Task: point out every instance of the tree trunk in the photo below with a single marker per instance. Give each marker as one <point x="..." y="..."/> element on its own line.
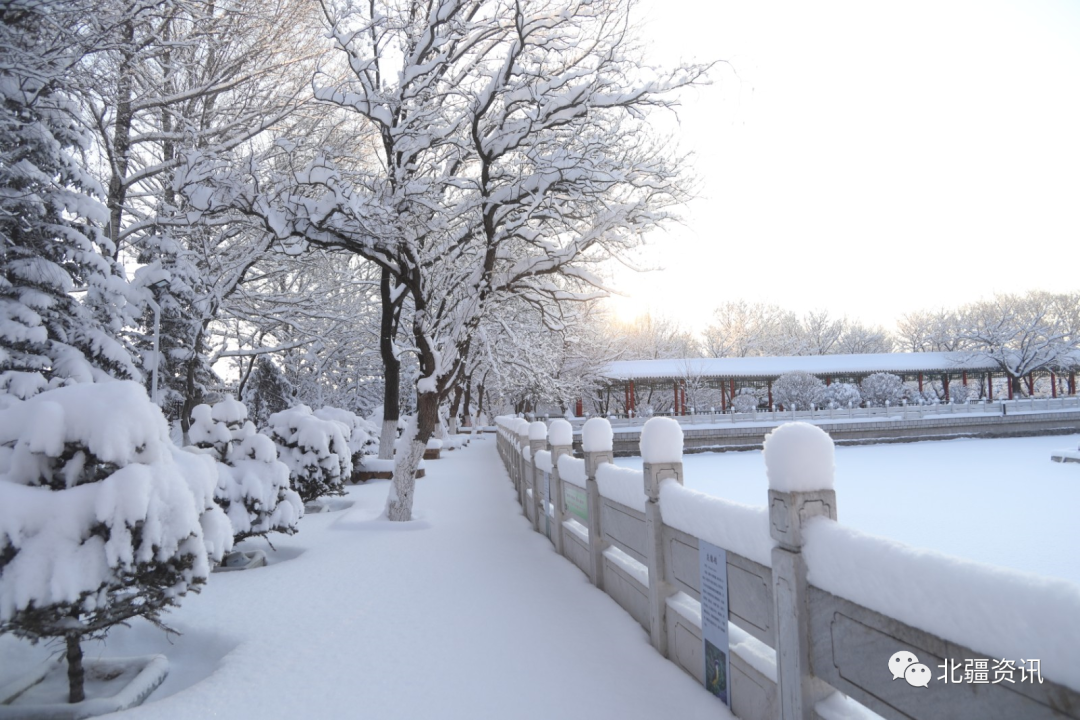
<point x="468" y="403"/>
<point x="399" y="501"/>
<point x="76" y="674"/>
<point x="190" y="401"/>
<point x="391" y="365"/>
<point x="455" y="406"/>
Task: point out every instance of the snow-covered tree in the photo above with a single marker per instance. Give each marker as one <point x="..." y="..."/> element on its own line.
<point x="843" y="395"/>
<point x="316" y="452"/>
<point x="518" y="157"/>
<point x="798" y="390"/>
<point x="252" y="484"/>
<point x="654" y="337"/>
<point x="1024" y="334"/>
<point x="50" y="213"/>
<point x="102" y="518"/>
<point x="881" y="388"/>
<point x="930" y="331"/>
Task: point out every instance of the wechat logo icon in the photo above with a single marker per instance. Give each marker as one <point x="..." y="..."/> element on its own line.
<point x="904" y="665"/>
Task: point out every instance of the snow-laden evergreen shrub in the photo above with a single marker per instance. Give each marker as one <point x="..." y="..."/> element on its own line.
<point x="102" y="518"/>
<point x="315" y="450"/>
<point x="842" y="395"/>
<point x="252" y="485"/>
<point x="746" y="400"/>
<point x="362" y="435"/>
<point x="798" y="390"/>
<point x="882" y="387"/>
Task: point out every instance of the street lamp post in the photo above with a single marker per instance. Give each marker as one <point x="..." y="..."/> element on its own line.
<point x="154" y="288"/>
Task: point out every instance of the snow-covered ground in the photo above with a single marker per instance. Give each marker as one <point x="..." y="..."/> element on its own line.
<point x="463" y="613"/>
<point x="998" y="501"/>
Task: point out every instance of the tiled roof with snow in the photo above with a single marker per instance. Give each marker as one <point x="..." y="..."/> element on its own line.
<point x="772" y="367"/>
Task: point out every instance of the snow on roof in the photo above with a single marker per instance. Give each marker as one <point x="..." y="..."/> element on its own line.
<point x="763" y="367"/>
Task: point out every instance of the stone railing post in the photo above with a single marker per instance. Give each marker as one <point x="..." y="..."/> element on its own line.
<point x="522" y="480"/>
<point x="537" y="442"/>
<point x="661" y="451"/>
<point x="596" y="437"/>
<point x="799" y="463"/>
<point x="561" y="437"/>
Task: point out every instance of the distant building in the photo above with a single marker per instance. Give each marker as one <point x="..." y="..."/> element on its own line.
<point x="630" y="381"/>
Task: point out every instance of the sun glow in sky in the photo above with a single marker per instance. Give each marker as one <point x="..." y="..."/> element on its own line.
<point x="868" y="158"/>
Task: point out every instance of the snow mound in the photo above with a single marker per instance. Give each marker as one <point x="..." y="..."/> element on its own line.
<point x="572" y="470"/>
<point x="799" y="457"/>
<point x="661" y="441"/>
<point x="596" y="435"/>
<point x="560" y="433"/>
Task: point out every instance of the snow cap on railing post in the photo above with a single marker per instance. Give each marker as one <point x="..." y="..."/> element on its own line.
<point x="661" y="453"/>
<point x="521" y="430"/>
<point x="799" y="462"/>
<point x="596" y="438"/>
<point x="537" y="437"/>
<point x="561" y="439"/>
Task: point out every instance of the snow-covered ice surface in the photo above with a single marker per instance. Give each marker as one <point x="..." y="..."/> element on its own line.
<point x="999" y="501"/>
<point x="463" y="613"/>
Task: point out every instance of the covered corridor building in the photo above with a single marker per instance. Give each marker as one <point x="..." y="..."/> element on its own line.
<point x="630" y="380"/>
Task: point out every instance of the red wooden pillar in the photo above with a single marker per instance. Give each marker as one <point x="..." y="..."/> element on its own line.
<point x="920" y="383"/>
<point x="945" y="385"/>
<point x="1053" y="384"/>
<point x="770" y="395"/>
<point x="578" y="408"/>
<point x="990" y="386"/>
<point x="963" y="377"/>
<point x="1072" y="382"/>
<point x="828" y="380"/>
<point x="675" y="407"/>
<point x="633" y="398"/>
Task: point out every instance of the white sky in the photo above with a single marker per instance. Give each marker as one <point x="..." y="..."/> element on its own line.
<point x="870" y="158"/>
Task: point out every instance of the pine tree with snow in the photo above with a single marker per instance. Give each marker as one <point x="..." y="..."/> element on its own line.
<point x="102" y="518"/>
<point x="253" y="485"/>
<point x="266" y="391"/>
<point x="315" y="450"/>
<point x="362" y="435"/>
<point x="50" y="217"/>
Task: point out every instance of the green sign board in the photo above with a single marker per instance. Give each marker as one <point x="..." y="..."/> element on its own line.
<point x="576" y="502"/>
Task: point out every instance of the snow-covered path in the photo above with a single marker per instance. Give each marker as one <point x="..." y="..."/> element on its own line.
<point x="463" y="613"/>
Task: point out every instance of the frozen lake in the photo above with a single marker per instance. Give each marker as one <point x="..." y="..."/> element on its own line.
<point x="998" y="501"/>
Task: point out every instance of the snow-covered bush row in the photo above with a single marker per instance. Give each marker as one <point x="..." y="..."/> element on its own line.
<point x="881" y="388"/>
<point x="315" y="450"/>
<point x="798" y="390"/>
<point x="746" y="400"/>
<point x="252" y="484"/>
<point x="842" y="395"/>
<point x="102" y="518"/>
